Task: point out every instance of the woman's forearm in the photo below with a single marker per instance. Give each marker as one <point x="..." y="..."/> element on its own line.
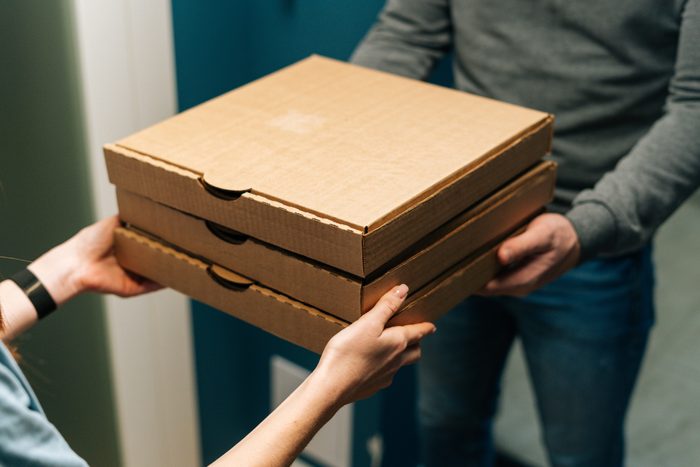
<point x="279" y="439"/>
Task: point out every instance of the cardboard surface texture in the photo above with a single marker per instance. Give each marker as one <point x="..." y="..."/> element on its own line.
<point x="280" y="315"/>
<point x="314" y="283"/>
<point x="341" y="164"/>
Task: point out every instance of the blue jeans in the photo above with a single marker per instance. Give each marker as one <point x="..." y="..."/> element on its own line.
<point x="583" y="336"/>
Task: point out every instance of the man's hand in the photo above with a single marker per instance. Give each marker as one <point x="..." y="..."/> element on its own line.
<point x="547" y="249"/>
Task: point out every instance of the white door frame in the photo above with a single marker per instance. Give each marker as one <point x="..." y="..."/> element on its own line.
<point x="126" y="66"/>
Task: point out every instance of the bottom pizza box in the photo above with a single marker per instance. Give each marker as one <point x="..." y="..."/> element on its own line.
<point x="279" y="314"/>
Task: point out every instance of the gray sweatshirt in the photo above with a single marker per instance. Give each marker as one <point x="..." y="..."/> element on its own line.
<point x="622" y="78"/>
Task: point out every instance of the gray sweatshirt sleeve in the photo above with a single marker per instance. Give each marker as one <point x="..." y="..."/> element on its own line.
<point x="628" y="204"/>
<point x="408" y="38"/>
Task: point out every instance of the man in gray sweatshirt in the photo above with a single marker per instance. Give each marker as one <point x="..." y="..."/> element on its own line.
<point x="623" y="80"/>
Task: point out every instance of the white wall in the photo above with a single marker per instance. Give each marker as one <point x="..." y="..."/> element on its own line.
<point x="126" y="58"/>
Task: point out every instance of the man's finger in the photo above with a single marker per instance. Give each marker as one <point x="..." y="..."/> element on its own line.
<point x="388" y="305"/>
<point x="499" y="287"/>
<point x="519" y="281"/>
<point x="531" y="242"/>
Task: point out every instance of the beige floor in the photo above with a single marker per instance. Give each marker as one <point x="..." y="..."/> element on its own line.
<point x="664" y="420"/>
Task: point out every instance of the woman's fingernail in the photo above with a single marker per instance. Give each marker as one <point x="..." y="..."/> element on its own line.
<point x="401" y="290"/>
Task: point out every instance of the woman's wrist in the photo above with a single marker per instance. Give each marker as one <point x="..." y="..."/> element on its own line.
<point x="320" y="396"/>
<point x="58" y="272"/>
<point x="329" y="388"/>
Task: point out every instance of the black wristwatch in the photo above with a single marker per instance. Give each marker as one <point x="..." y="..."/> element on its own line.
<point x="35" y="291"/>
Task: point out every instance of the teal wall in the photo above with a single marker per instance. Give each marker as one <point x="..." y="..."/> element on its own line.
<point x="45" y="198"/>
<point x="219" y="46"/>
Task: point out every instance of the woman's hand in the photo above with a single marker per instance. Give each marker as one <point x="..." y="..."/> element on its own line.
<point x="357" y="362"/>
<point x="86" y="263"/>
<point x="364" y="357"/>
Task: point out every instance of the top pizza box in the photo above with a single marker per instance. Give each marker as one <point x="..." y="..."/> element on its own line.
<point x="338" y="163"/>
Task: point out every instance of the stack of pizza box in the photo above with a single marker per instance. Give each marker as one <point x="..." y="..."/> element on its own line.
<point x="296" y="201"/>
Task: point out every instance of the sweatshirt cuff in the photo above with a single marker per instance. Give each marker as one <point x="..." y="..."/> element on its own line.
<point x="596" y="228"/>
